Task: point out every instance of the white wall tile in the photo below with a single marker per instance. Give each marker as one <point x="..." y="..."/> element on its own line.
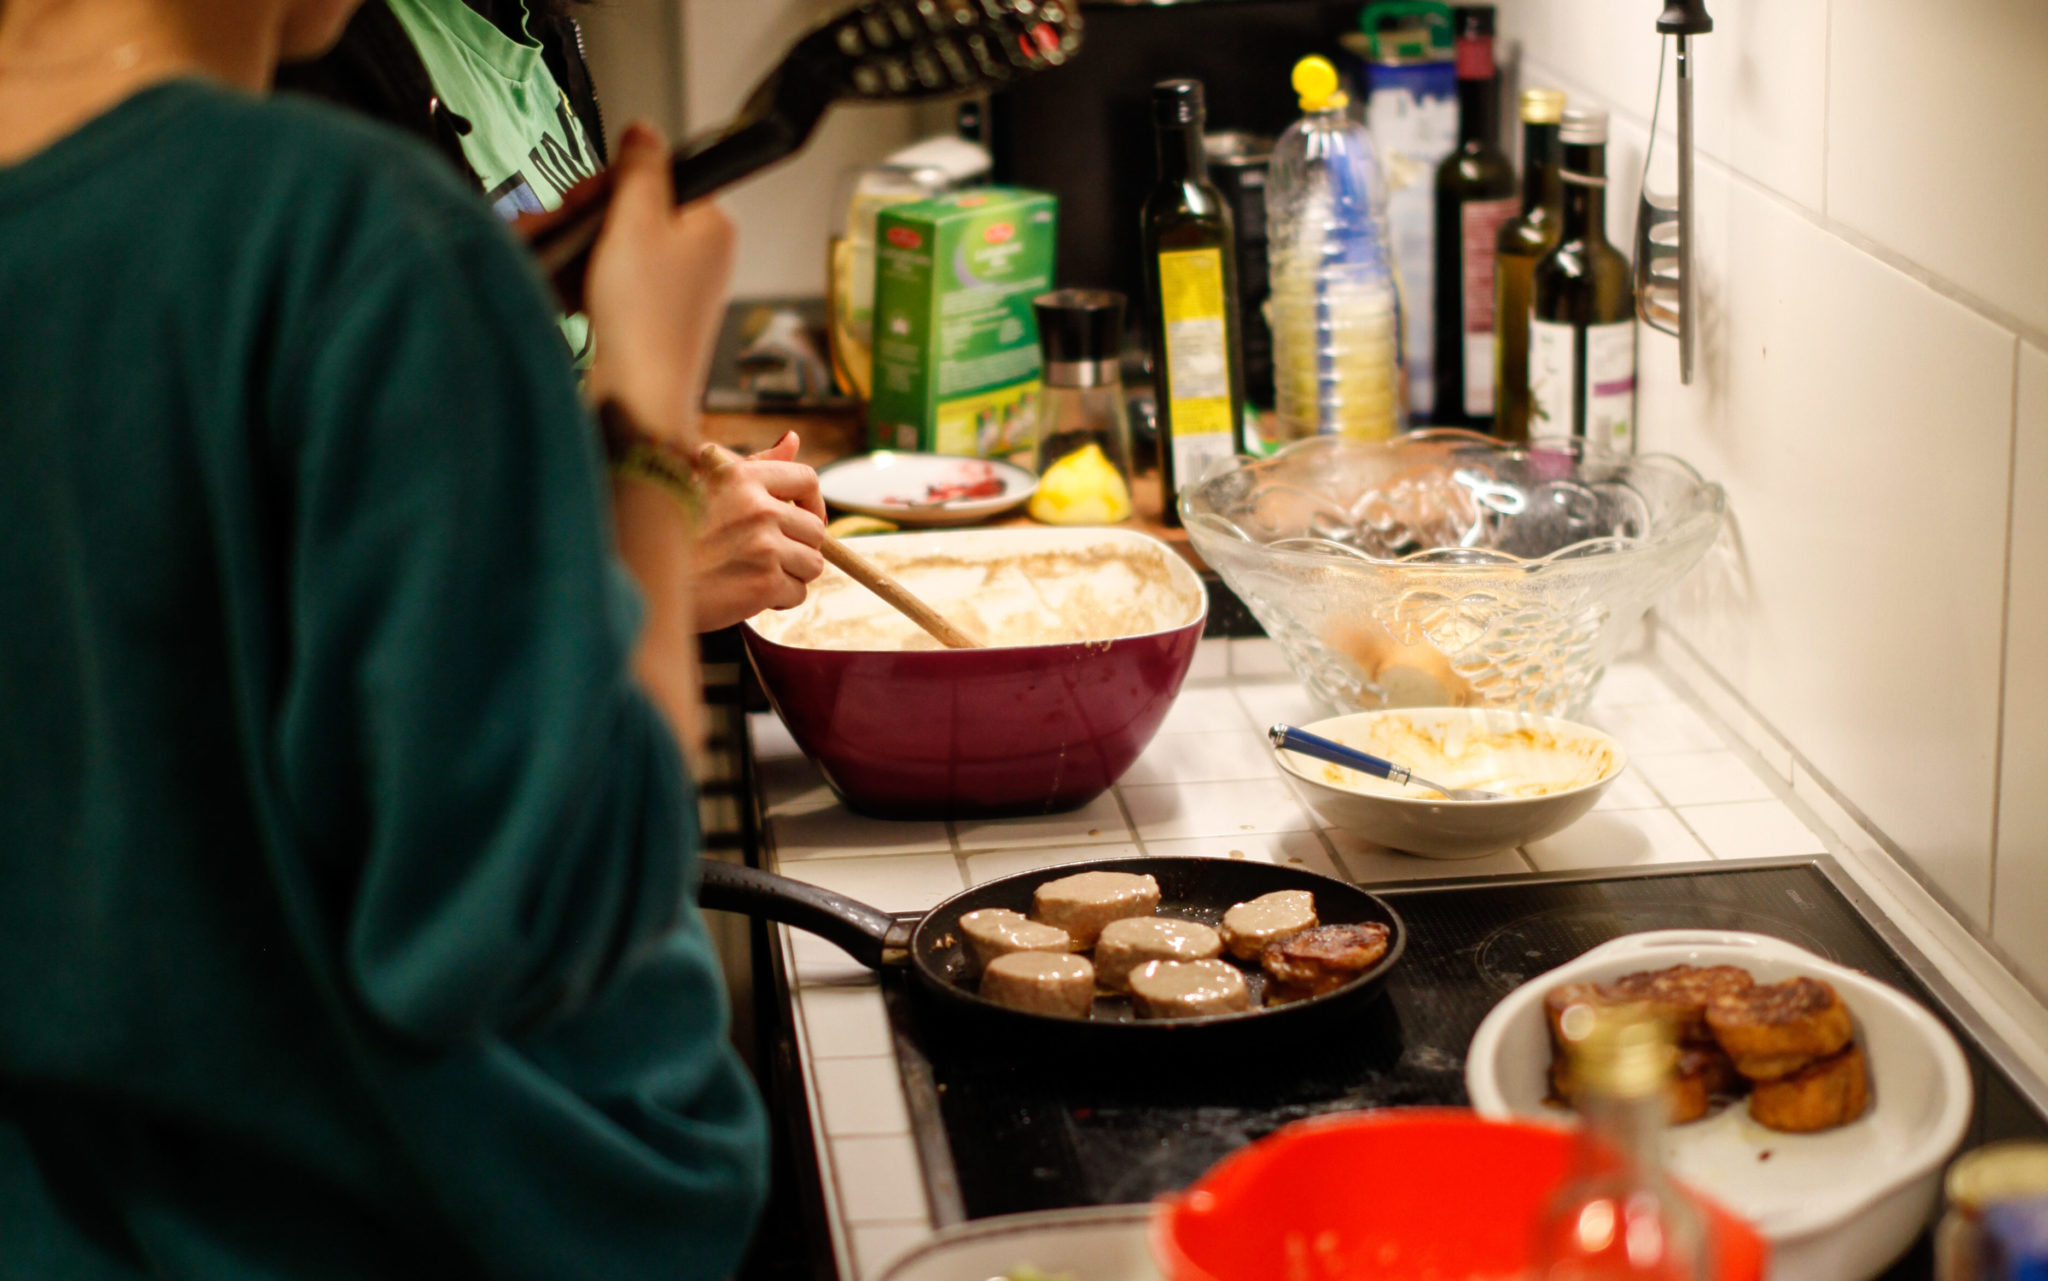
<point x="879" y="1179"/>
<point x="1758" y="78"/>
<point x="877" y="1245"/>
<point x="1752" y="829"/>
<point x="1658" y="729"/>
<point x="819" y="827"/>
<point x="1215" y="809"/>
<point x="1100" y="821"/>
<point x="1704" y="778"/>
<point x="1277" y="703"/>
<point x="1203" y="758"/>
<point x="1288" y="849"/>
<point x="818" y="962"/>
<point x="888" y="882"/>
<point x="1618" y="838"/>
<point x="1204" y="711"/>
<point x="1937" y="122"/>
<point x="1370" y="863"/>
<point x="2020" y="906"/>
<point x="861" y="1096"/>
<point x="1212" y="661"/>
<point x="1862" y="637"/>
<point x="1001" y="863"/>
<point x="845" y="1022"/>
<point x="1631" y="791"/>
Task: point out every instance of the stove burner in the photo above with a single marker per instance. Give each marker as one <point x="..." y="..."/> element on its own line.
<point x="1515" y="952"/>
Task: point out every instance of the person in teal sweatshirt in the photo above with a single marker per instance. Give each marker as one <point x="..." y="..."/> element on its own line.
<point x="346" y="837"/>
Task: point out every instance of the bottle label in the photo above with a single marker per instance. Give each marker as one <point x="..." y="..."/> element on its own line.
<point x="1598" y="371"/>
<point x="1480" y="224"/>
<point x="1197" y="360"/>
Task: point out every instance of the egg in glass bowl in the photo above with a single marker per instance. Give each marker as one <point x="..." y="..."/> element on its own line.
<point x="1448" y="568"/>
<point x="1549" y="772"/>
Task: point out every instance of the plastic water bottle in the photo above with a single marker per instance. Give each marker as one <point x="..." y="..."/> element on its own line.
<point x="1334" y="312"/>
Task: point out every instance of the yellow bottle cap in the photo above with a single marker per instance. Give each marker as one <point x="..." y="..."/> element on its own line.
<point x="2001" y="1172"/>
<point x="1542" y="106"/>
<point x="1316" y="81"/>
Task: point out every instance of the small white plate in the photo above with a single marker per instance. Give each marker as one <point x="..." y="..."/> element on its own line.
<point x="899" y="487"/>
<point x="1836" y="1206"/>
<point x="1098" y="1243"/>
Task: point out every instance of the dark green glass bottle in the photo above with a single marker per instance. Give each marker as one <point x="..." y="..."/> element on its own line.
<point x="1475" y="195"/>
<point x="1190" y="304"/>
<point x="1582" y="353"/>
<point x="1523" y="242"/>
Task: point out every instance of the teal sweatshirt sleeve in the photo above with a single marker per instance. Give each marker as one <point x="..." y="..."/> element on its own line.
<point x="459" y="698"/>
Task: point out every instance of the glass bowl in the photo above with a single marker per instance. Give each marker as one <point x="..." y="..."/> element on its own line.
<point x="1447" y="568"/>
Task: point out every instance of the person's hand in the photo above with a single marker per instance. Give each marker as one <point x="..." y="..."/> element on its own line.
<point x="656" y="292"/>
<point x="757" y="545"/>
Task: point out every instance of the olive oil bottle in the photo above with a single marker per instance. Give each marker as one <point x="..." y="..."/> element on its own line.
<point x="1523" y="241"/>
<point x="1191" y="315"/>
<point x="1475" y="195"/>
<point x="1582" y="351"/>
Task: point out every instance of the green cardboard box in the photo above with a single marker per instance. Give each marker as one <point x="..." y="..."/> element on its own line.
<point x="956" y="343"/>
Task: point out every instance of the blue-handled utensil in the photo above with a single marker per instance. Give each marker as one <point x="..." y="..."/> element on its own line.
<point x="1289" y="739"/>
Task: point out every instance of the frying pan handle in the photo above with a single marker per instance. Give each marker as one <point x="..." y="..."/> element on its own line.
<point x="862" y="931"/>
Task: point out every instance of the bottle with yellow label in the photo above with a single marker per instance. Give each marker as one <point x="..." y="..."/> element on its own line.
<point x="1190" y="300"/>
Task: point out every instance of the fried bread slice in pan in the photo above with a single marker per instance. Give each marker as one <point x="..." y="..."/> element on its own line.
<point x="1680" y="994"/>
<point x="1775" y="1029"/>
<point x="1820" y="1096"/>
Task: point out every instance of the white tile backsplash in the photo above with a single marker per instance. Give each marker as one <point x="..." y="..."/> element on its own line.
<point x="1099" y="822"/>
<point x="1752" y="829"/>
<point x="1868" y="257"/>
<point x="1204" y="758"/>
<point x="1370" y="863"/>
<point x="1870" y="646"/>
<point x="1168" y="812"/>
<point x="879" y="1179"/>
<point x="1289" y="849"/>
<point x="1759" y="88"/>
<point x="877" y="1245"/>
<point x="1204" y="710"/>
<point x="861" y="1096"/>
<point x="1704" y="778"/>
<point x="1618" y="838"/>
<point x="2020" y="905"/>
<point x="1000" y="863"/>
<point x="845" y="1022"/>
<point x="1937" y="124"/>
<point x="889" y="883"/>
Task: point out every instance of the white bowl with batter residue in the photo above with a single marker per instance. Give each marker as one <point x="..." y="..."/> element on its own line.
<point x="1550" y="771"/>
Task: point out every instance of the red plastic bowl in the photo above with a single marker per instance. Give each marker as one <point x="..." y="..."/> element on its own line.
<point x="983" y="732"/>
<point x="1399" y="1195"/>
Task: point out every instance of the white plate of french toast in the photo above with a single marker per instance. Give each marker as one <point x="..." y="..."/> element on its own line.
<point x="1809" y="1098"/>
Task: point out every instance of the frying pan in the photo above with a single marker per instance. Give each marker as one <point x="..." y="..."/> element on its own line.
<point x="932" y="949"/>
<point x="873" y="51"/>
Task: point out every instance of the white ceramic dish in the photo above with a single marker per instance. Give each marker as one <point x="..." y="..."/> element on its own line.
<point x="1099" y="1243"/>
<point x="1836" y="1206"/>
<point x="1459" y="747"/>
<point x="897" y="487"/>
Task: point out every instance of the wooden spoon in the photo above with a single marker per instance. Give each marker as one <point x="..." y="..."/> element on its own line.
<point x="860" y="569"/>
<point x="863" y="571"/>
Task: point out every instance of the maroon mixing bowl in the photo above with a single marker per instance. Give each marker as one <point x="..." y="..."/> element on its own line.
<point x="979" y="732"/>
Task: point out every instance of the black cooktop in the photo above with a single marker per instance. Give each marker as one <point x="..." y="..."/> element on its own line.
<point x="1001" y="1133"/>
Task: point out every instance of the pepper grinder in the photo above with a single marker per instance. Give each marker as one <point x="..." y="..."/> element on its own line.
<point x="1084" y="431"/>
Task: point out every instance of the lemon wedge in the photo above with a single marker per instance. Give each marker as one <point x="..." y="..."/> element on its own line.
<point x="1084" y="488"/>
<point x="854" y="526"/>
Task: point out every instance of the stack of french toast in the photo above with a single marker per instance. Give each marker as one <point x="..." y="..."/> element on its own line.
<point x="1789" y="1046"/>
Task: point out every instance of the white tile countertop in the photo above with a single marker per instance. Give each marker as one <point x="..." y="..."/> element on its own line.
<point x="1207" y="785"/>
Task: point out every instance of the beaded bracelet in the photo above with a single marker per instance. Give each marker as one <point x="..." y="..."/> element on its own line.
<point x="634" y="452"/>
